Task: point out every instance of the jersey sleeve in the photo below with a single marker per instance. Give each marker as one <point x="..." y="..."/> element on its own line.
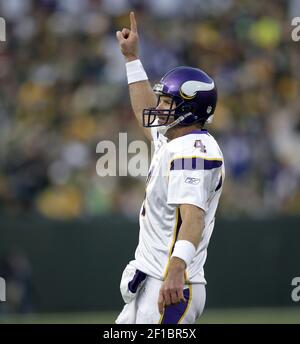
<point x="192" y="180"/>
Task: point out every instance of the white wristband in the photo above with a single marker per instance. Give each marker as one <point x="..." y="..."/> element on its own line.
<point x="135" y="71"/>
<point x="184" y="250"/>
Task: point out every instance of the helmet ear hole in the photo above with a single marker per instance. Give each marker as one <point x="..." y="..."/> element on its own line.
<point x="187" y="108"/>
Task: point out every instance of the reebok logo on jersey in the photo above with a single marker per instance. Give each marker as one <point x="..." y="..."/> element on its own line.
<point x="193" y="181"/>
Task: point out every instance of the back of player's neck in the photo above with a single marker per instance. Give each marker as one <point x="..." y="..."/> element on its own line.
<point x="174" y="133"/>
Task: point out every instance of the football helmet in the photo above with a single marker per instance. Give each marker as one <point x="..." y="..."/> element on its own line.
<point x="192" y="91"/>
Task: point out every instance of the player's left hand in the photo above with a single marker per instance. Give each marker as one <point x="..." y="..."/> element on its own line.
<point x="171" y="291"/>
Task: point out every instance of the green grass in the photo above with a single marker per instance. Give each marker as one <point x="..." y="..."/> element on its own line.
<point x="210" y="316"/>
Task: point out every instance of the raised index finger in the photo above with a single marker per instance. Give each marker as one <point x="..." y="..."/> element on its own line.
<point x="133" y="26"/>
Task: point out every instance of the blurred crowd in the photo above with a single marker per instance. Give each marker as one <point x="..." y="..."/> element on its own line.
<point x="63" y="90"/>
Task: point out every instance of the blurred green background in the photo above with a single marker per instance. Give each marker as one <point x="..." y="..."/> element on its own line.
<point x="75" y="266"/>
<point x="65" y="232"/>
<point x="228" y="316"/>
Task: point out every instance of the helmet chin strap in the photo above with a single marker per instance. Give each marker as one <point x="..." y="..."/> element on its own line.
<point x="164" y="128"/>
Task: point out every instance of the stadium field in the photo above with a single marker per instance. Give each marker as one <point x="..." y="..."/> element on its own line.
<point x="212" y="316"/>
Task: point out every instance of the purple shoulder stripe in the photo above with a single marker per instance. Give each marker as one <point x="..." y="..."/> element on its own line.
<point x="194" y="163"/>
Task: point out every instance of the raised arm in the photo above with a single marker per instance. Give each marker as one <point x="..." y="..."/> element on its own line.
<point x="141" y="93"/>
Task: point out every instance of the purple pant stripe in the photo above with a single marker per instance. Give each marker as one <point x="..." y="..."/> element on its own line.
<point x="173" y="313"/>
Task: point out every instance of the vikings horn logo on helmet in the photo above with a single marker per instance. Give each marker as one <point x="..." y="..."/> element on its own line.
<point x="189" y="89"/>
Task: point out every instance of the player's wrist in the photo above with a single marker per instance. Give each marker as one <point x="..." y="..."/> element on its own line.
<point x="135" y="71"/>
<point x="184" y="250"/>
<point x="177" y="264"/>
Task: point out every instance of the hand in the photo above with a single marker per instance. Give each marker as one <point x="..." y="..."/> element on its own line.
<point x="129" y="40"/>
<point x="171" y="292"/>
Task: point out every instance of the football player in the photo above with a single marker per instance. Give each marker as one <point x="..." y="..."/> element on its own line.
<point x="165" y="283"/>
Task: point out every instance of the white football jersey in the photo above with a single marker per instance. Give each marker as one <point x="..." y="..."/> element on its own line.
<point x="185" y="170"/>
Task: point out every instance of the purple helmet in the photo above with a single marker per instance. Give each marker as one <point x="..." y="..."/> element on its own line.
<point x="194" y="94"/>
